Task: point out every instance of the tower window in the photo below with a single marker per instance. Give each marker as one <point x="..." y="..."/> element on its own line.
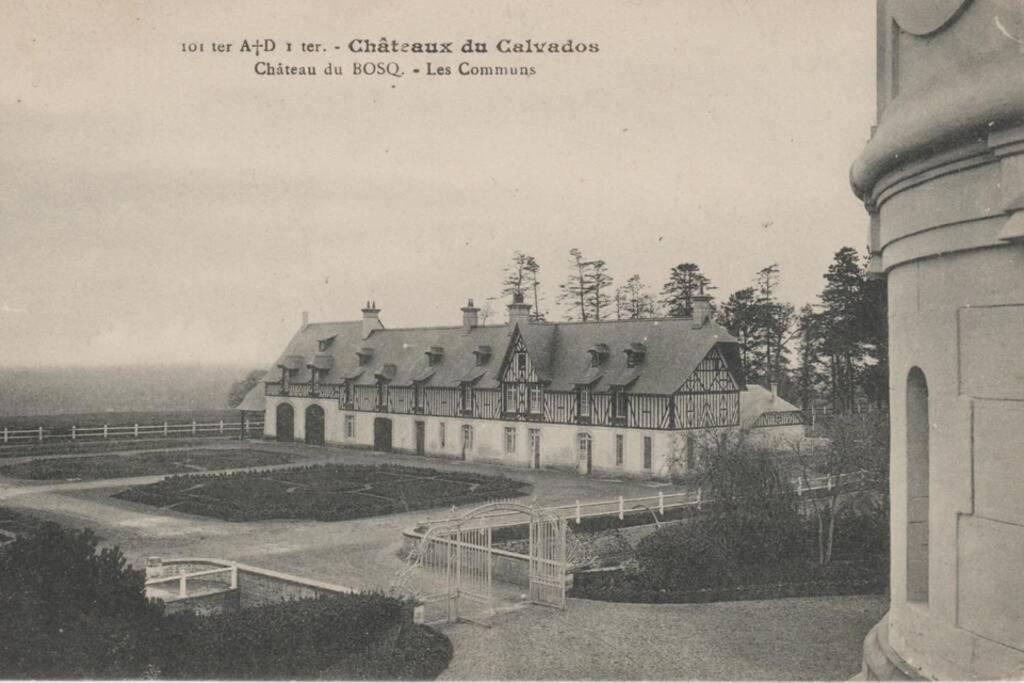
<point x="917" y="486"/>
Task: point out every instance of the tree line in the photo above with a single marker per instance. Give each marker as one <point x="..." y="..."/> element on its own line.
<point x="833" y="349"/>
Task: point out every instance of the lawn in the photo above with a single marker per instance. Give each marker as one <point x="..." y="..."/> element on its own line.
<point x="142" y="464"/>
<point x="323" y="492"/>
<point x="67" y="447"/>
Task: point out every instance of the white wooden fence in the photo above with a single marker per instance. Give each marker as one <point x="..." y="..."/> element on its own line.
<point x="579" y="510"/>
<point x="132" y="431"/>
<point x="228" y="574"/>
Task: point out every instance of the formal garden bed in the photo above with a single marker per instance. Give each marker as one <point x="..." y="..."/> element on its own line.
<point x="323" y="492"/>
<point x="73" y="610"/>
<point x="84" y="447"/>
<point x="142" y="464"/>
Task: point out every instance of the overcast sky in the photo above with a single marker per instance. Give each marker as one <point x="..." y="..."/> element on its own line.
<point x="163" y="207"/>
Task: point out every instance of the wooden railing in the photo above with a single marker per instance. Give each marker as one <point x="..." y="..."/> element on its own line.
<point x="134" y="431"/>
<point x="580" y="510"/>
<point x="182" y="579"/>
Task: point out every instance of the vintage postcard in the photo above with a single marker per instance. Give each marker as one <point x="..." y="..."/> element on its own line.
<point x="520" y="340"/>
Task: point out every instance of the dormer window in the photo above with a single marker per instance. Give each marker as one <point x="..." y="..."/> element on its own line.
<point x="483" y="355"/>
<point x="289" y="366"/>
<point x="325" y="344"/>
<point x="434" y="355"/>
<point x="364" y="354"/>
<point x="635" y="354"/>
<point x="598" y="354"/>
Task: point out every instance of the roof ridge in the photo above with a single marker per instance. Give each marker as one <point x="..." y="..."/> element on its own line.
<point x="438" y="327"/>
<point x="626" y="320"/>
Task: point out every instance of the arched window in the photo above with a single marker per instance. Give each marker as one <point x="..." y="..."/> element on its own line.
<point x="917" y="486"/>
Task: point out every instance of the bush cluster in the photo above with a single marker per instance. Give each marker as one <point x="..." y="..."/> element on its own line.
<point x="69" y="609"/>
<point x="323" y="492"/>
<point x="296" y="639"/>
<point x="690" y="562"/>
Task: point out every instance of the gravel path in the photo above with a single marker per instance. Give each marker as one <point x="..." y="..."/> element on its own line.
<point x="791" y="639"/>
<point x="811" y="638"/>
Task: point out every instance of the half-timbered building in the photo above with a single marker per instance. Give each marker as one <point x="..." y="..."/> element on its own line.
<point x="611" y="396"/>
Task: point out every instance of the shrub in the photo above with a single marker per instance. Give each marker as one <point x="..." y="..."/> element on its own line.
<point x="296" y="639"/>
<point x="756" y="512"/>
<point x="686" y="555"/>
<point x="69" y="609"/>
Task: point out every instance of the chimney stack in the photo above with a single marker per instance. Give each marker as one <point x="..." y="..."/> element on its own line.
<point x="518" y="312"/>
<point x="371" y="319"/>
<point x="305" y="319"/>
<point x="470" y="316"/>
<point x="774" y="388"/>
<point x="700" y="305"/>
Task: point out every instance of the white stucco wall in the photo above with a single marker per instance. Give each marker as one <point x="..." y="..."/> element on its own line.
<point x="558" y="442"/>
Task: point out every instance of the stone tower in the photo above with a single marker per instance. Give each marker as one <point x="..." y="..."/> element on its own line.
<point x="942" y="179"/>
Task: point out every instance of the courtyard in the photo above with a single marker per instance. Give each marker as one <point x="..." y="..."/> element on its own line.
<point x="809" y="638"/>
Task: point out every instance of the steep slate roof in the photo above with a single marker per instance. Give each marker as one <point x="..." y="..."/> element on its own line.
<point x="559" y="353"/>
<point x="255" y="400"/>
<point x="404" y="349"/>
<point x="756" y="401"/>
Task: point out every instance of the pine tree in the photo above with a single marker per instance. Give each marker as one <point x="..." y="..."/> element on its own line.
<point x="809" y="374"/>
<point x="843" y="325"/>
<point x="740" y="316"/>
<point x="684" y="281"/>
<point x="599" y="281"/>
<point x="573" y="293"/>
<point x="634" y="300"/>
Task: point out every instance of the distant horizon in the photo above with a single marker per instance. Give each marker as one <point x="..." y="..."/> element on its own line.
<point x="163" y="207"/>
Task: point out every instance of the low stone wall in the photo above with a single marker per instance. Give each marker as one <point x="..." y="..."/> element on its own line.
<point x="255" y="586"/>
<point x="204" y="603"/>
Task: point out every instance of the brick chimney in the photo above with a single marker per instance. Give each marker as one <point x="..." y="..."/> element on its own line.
<point x="774" y="388"/>
<point x="371" y="319"/>
<point x="518" y="312"/>
<point x="470" y="316"/>
<point x="305" y="319"/>
<point x="701" y="307"/>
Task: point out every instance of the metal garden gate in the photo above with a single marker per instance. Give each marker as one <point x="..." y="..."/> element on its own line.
<point x="451" y="569"/>
<point x="547" y="559"/>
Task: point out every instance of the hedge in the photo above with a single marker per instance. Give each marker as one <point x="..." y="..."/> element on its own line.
<point x="296" y="639"/>
<point x="69" y="609"/>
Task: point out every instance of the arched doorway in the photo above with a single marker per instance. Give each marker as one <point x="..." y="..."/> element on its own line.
<point x="285" y="422"/>
<point x="381" y="434"/>
<point x="917" y="486"/>
<point x="315" y="425"/>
